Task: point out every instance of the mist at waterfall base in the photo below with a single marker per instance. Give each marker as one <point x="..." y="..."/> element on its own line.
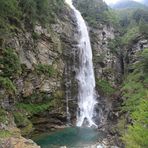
<point x="71" y="138"/>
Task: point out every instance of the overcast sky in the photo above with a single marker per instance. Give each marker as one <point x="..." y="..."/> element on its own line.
<point x="114" y="1"/>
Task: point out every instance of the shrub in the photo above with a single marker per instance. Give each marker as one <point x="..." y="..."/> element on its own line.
<point x="130" y="35"/>
<point x="144" y="60"/>
<point x="135" y="96"/>
<point x="9" y="10"/>
<point x="105" y="87"/>
<point x="10" y="63"/>
<point x="8" y="85"/>
<point x="45" y="69"/>
<point x="3" y="116"/>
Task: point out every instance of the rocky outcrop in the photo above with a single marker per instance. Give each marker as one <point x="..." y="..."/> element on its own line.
<point x="131" y="52"/>
<point x="46" y="79"/>
<point x="10" y="135"/>
<point x="19" y="142"/>
<point x="105" y="62"/>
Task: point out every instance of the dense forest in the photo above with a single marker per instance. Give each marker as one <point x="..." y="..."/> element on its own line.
<point x="31" y="87"/>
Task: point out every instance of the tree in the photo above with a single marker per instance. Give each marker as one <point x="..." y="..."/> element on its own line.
<point x="140" y="14"/>
<point x="29" y="9"/>
<point x="144" y="58"/>
<point x="9" y="11"/>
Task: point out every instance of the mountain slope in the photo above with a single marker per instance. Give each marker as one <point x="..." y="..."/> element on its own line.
<point x="128" y="4"/>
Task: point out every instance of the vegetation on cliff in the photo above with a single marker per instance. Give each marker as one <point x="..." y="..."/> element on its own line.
<point x="133" y="27"/>
<point x="14" y="13"/>
<point x="18" y="19"/>
<point x="135" y="94"/>
<point x="22" y="15"/>
<point x="96" y="12"/>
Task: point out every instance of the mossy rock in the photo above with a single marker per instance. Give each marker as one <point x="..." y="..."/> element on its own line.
<point x="59" y="94"/>
<point x="23" y="123"/>
<point x="58" y="97"/>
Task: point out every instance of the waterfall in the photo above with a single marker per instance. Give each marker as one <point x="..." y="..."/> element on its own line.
<point x="85" y="74"/>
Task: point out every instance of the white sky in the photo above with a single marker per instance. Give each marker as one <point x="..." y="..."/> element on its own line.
<point x="114" y="1"/>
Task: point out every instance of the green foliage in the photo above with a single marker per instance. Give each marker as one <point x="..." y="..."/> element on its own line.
<point x="44" y="11"/>
<point x="5" y="134"/>
<point x="114" y="45"/>
<point x="12" y="12"/>
<point x="135" y="95"/>
<point x="9" y="12"/>
<point x="144" y="60"/>
<point x="28" y="8"/>
<point x="140" y="14"/>
<point x="137" y="135"/>
<point x="37" y="97"/>
<point x="105" y="87"/>
<point x="110" y="17"/>
<point x="8" y="85"/>
<point x="3" y="116"/>
<point x="23" y="123"/>
<point x="95" y="11"/>
<point x="143" y="27"/>
<point x="34" y="108"/>
<point x="35" y="36"/>
<point x="45" y="69"/>
<point x="9" y="63"/>
<point x="131" y="34"/>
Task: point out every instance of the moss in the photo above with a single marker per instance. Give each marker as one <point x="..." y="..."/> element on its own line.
<point x="8" y="85"/>
<point x="23" y="123"/>
<point x="34" y="108"/>
<point x="5" y="134"/>
<point x="105" y="87"/>
<point x="45" y="69"/>
<point x="58" y="98"/>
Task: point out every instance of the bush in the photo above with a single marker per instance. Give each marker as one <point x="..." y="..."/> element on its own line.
<point x="135" y="96"/>
<point x="45" y="69"/>
<point x="9" y="11"/>
<point x="7" y="84"/>
<point x="3" y="116"/>
<point x="10" y="63"/>
<point x="144" y="60"/>
<point x="130" y="35"/>
<point x="105" y="87"/>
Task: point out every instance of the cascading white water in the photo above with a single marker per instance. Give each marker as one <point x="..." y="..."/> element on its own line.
<point x="85" y="75"/>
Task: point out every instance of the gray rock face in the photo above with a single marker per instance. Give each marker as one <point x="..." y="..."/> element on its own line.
<point x="53" y="46"/>
<point x="104" y="60"/>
